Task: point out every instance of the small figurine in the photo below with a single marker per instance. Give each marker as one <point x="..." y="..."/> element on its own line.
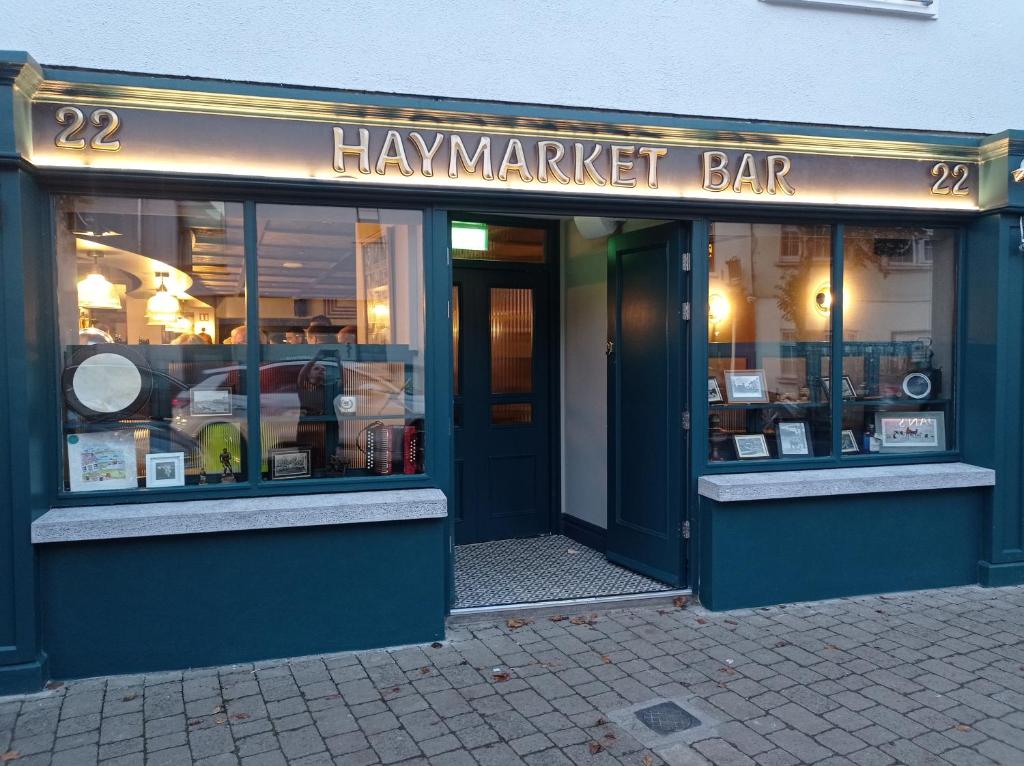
<point x="202" y="476"/>
<point x="225" y="460"/>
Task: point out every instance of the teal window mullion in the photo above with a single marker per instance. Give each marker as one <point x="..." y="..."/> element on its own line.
<point x="252" y="349"/>
<point x="836" y="361"/>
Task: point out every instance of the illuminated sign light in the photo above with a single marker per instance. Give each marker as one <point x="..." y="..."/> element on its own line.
<point x="469" y="236"/>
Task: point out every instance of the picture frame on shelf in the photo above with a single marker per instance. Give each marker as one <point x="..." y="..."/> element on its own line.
<point x="849" y="392"/>
<point x="903" y="432"/>
<point x="290" y="463"/>
<point x="714" y="391"/>
<point x="102" y="460"/>
<point x="750" y="446"/>
<point x="209" y="402"/>
<point x="793" y="438"/>
<point x="165" y="469"/>
<point x="746" y="387"/>
<point x="848" y="442"/>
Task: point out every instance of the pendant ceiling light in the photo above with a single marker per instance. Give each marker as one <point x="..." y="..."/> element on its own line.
<point x="95" y="291"/>
<point x="162" y="308"/>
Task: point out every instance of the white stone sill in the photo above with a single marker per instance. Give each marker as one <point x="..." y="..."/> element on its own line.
<point x="780" y="485"/>
<point x="193" y="517"/>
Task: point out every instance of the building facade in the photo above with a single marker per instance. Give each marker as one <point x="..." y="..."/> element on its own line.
<point x="275" y="353"/>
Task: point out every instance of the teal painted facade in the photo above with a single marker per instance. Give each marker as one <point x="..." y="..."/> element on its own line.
<point x="197" y="600"/>
<point x="145" y="604"/>
<point x="806" y="549"/>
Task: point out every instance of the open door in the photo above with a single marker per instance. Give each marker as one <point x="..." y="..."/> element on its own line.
<point x="647" y="456"/>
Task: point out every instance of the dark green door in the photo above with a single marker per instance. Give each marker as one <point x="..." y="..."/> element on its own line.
<point x="502" y="366"/>
<point x="647" y="454"/>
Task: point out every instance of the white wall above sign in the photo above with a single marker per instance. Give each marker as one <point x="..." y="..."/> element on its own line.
<point x="928" y="9"/>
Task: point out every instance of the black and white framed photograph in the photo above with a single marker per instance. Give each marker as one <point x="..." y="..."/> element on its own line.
<point x="848" y="442"/>
<point x="750" y="446"/>
<point x="911" y="431"/>
<point x="746" y="387"/>
<point x="794" y="438"/>
<point x="849" y="392"/>
<point x="290" y="463"/>
<point x="165" y="469"/>
<point x="209" y="402"/>
<point x="714" y="391"/>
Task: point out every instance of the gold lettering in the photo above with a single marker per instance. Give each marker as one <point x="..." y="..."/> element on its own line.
<point x="778" y="167"/>
<point x="426" y="155"/>
<point x="621" y="164"/>
<point x="482" y="157"/>
<point x="393" y="153"/>
<point x="515" y="147"/>
<point x="549" y="154"/>
<point x="716" y="166"/>
<point x="652" y="155"/>
<point x="361" y="150"/>
<point x="747" y="174"/>
<point x="583" y="165"/>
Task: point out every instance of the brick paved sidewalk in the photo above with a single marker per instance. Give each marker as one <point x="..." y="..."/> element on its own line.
<point x="933" y="677"/>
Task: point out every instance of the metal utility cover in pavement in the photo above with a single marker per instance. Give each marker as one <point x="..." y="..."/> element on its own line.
<point x="666" y="718"/>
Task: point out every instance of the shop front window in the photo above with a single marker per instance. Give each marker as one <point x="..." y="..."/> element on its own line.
<point x="768" y="342"/>
<point x="148" y="294"/>
<point x="341" y="341"/>
<point x="772" y="338"/>
<point x="898" y="325"/>
<point x="153" y="333"/>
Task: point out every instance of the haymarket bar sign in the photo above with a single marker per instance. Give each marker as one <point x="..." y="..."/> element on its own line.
<point x="131" y="128"/>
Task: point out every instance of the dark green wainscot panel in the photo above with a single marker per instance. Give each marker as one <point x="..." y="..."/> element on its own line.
<point x="155" y="603"/>
<point x="759" y="553"/>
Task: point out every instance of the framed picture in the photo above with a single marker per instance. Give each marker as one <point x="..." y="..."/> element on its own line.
<point x="290" y="463"/>
<point x="102" y="460"/>
<point x="208" y="402"/>
<point x="714" y="391"/>
<point x="750" y="446"/>
<point x="794" y="438"/>
<point x="849" y="392"/>
<point x="911" y="431"/>
<point x="165" y="469"/>
<point x="746" y="386"/>
<point x="848" y="442"/>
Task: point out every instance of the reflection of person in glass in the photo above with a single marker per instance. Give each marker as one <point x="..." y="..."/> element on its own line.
<point x="347" y="334"/>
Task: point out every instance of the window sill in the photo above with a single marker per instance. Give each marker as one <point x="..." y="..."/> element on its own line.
<point x="780" y="485"/>
<point x="189" y="517"/>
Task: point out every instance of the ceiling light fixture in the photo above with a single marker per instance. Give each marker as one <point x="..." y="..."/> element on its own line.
<point x="95" y="291"/>
<point x="162" y="308"/>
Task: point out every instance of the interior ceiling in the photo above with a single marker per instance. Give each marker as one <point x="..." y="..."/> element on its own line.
<point x="298" y="258"/>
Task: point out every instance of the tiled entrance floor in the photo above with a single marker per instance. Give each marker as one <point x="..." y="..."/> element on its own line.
<point x="547" y="568"/>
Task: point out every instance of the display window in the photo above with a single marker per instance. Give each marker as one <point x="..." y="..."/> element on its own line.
<point x="156" y="385"/>
<point x="773" y="333"/>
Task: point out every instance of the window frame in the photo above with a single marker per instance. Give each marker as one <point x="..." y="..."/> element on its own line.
<point x="926" y="9"/>
<point x="836" y="459"/>
<point x="436" y="454"/>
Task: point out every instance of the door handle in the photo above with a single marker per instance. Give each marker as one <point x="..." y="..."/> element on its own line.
<point x="609" y="348"/>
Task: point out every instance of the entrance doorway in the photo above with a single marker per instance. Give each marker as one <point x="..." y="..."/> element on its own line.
<point x="501" y="328"/>
<point x="569" y="462"/>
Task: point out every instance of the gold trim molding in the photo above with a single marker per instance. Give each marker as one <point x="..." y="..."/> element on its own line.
<point x="278" y="108"/>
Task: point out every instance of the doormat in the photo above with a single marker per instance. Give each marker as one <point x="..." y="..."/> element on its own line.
<point x="666" y="718"/>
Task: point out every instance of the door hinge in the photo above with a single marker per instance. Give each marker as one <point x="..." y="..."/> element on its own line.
<point x="686" y="420"/>
<point x="686" y="311"/>
<point x="686" y="261"/>
<point x="448" y="256"/>
<point x="685" y="530"/>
